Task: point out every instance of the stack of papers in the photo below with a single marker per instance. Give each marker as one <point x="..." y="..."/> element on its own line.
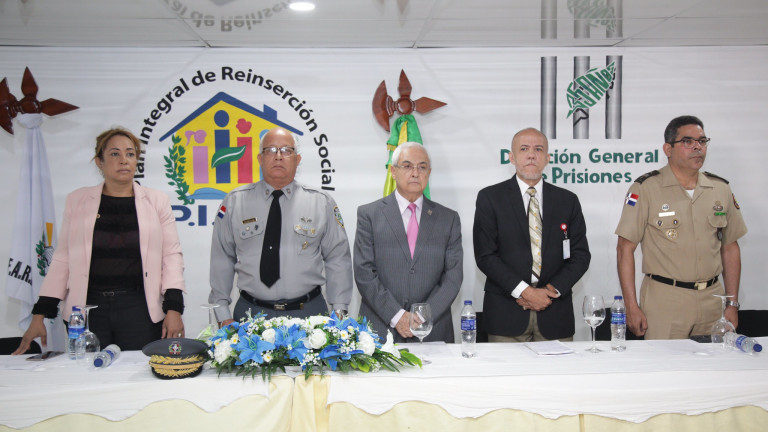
<point x="549" y="348"/>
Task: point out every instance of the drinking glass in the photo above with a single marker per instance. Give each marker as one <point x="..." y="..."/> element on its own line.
<point x="593" y="311"/>
<point x="722" y="326"/>
<point x="213" y="326"/>
<point x="421" y="323"/>
<point x="91" y="341"/>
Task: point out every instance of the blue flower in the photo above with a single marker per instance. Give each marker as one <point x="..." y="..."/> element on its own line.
<point x="292" y="338"/>
<point x="251" y="348"/>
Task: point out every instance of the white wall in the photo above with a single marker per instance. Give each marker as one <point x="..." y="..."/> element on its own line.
<point x="491" y="93"/>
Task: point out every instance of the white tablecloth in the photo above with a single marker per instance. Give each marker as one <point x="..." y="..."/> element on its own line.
<point x="649" y="378"/>
<point x="35" y="391"/>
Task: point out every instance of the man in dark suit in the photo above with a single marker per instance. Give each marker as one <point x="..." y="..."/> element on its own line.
<point x="408" y="250"/>
<point x="530" y="241"/>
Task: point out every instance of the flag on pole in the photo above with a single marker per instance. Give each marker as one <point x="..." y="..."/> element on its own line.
<point x="404" y="129"/>
<point x="34" y="233"/>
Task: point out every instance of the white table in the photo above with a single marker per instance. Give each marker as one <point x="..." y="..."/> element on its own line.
<point x="59" y="393"/>
<point x="689" y="383"/>
<point x="661" y="385"/>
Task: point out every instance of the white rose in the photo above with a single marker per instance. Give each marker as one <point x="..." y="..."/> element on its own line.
<point x="317" y="339"/>
<point x="366" y="343"/>
<point x="389" y="346"/>
<point x="268" y="335"/>
<point x="294" y="321"/>
<point x="223" y="351"/>
<point x="317" y="320"/>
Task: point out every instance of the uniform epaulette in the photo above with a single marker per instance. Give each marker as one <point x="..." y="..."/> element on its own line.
<point x="709" y="174"/>
<point x="646" y="176"/>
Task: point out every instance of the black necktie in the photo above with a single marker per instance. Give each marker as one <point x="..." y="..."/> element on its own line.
<point x="269" y="269"/>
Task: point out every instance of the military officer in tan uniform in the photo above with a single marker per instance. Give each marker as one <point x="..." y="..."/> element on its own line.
<point x="688" y="223"/>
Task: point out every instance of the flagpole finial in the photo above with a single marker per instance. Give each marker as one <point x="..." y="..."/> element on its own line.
<point x="10" y="107"/>
<point x="384" y="106"/>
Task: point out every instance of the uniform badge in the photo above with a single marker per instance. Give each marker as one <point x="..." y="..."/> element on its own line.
<point x="303" y="226"/>
<point x="672" y="234"/>
<point x="735" y="203"/>
<point x="337" y="215"/>
<point x="674" y="222"/>
<point x="247" y="221"/>
<point x="174" y="348"/>
<point x="222" y="212"/>
<point x="631" y="199"/>
<point x="718" y="207"/>
<point x="664" y="207"/>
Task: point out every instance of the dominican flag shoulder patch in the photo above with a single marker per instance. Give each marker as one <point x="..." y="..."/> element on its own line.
<point x="631" y="199"/>
<point x="222" y="212"/>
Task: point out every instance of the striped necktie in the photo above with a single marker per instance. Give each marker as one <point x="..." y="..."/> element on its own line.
<point x="534" y="229"/>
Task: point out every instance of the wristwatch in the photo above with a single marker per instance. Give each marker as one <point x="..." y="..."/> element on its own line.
<point x="733" y="303"/>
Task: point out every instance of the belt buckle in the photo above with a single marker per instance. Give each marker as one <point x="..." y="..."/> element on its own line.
<point x="280" y="306"/>
<point x="701" y="285"/>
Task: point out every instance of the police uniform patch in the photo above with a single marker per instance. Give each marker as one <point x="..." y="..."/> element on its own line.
<point x="337" y="215"/>
<point x="735" y="203"/>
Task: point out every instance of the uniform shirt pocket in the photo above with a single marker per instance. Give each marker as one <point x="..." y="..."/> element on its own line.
<point x="250" y="230"/>
<point x="667" y="227"/>
<point x="717" y="221"/>
<point x="307" y="240"/>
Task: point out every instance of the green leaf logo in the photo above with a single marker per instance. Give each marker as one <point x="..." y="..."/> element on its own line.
<point x="227" y="155"/>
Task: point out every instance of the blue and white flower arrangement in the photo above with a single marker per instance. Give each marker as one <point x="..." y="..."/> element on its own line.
<point x="256" y="344"/>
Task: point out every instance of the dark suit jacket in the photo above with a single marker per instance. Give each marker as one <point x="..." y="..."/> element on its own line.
<point x="503" y="253"/>
<point x="389" y="279"/>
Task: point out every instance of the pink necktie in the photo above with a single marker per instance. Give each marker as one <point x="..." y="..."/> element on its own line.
<point x="413" y="228"/>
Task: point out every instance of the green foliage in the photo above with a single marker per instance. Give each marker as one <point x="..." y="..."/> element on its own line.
<point x="42" y="266"/>
<point x="175" y="171"/>
<point x="227" y="155"/>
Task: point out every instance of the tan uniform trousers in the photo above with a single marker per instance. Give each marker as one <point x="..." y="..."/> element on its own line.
<point x="677" y="313"/>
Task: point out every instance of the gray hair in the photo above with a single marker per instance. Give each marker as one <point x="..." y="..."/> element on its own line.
<point x="407" y="145"/>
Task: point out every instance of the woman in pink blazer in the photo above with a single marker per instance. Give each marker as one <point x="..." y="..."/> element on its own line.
<point x="119" y="250"/>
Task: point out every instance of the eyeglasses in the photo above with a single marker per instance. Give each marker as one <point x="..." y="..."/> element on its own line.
<point x="421" y="169"/>
<point x="688" y="141"/>
<point x="284" y="151"/>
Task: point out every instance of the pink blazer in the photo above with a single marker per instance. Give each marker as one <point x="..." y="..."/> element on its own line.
<point x="161" y="256"/>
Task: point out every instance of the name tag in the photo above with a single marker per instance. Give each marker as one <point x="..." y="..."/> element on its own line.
<point x="566" y="248"/>
<point x="663" y="214"/>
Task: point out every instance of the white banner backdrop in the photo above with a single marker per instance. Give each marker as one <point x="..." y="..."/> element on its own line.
<point x="326" y="95"/>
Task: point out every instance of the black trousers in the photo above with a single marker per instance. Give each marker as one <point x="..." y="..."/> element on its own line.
<point x="123" y="319"/>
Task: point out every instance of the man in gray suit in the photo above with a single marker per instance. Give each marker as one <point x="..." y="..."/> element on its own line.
<point x="408" y="250"/>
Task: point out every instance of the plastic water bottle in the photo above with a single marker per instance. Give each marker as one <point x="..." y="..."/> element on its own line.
<point x="742" y="343"/>
<point x="106" y="356"/>
<point x="618" y="324"/>
<point x="468" y="330"/>
<point x="76" y="343"/>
